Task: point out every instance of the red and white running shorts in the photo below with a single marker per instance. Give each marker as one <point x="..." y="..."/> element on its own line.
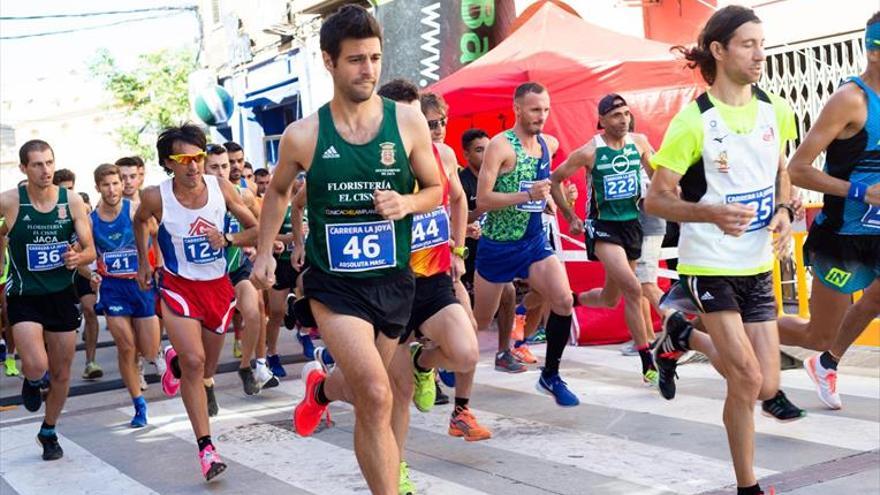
<point x="209" y="301"/>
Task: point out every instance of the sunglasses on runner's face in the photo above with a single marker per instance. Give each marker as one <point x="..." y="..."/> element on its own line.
<point x="433" y="124"/>
<point x="187" y="158"/>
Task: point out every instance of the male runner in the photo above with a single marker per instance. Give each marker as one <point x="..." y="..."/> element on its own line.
<point x="513" y="188"/>
<point x="725" y="150"/>
<point x="613" y="160"/>
<point x="236" y="165"/>
<point x="7" y="341"/>
<point x="844" y="241"/>
<point x="196" y="296"/>
<point x="41" y="220"/>
<point x="247" y="298"/>
<point x="130" y="312"/>
<point x="247" y="172"/>
<point x="363" y="156"/>
<point x="262" y="178"/>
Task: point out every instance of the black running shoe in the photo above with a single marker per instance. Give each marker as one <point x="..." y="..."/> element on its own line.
<point x="248" y="381"/>
<point x="782" y="409"/>
<point x="667" y="350"/>
<point x="31" y="396"/>
<point x="51" y="450"/>
<point x="666" y="375"/>
<point x="441" y="397"/>
<point x="290" y="315"/>
<point x="213" y="409"/>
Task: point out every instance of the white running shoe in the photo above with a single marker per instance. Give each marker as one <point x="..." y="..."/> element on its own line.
<point x="159" y="362"/>
<point x="264" y="377"/>
<point x="143" y="381"/>
<point x="825" y="380"/>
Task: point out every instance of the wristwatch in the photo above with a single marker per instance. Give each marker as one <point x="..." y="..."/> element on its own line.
<point x="227" y="239"/>
<point x="460" y="251"/>
<point x="786" y="207"/>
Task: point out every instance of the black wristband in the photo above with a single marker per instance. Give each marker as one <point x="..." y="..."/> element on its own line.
<point x="787" y="208"/>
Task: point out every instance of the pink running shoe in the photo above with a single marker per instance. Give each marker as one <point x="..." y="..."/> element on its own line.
<point x="170" y="385"/>
<point x="211" y="464"/>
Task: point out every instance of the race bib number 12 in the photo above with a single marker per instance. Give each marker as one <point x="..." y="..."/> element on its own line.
<point x="198" y="250"/>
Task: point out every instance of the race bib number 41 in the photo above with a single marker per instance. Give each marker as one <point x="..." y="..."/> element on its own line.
<point x="621" y="186"/>
<point x="361" y="247"/>
<point x="198" y="250"/>
<point x="761" y="201"/>
<point x="43" y="257"/>
<point x="121" y="262"/>
<point x="430" y="229"/>
<point x="536" y="206"/>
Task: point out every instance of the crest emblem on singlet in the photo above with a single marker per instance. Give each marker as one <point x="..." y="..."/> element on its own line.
<point x="721" y="162"/>
<point x="62" y="212"/>
<point x="200" y="226"/>
<point x="386" y="154"/>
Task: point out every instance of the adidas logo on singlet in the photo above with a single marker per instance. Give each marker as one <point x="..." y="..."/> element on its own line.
<point x="27" y="218"/>
<point x="330" y="153"/>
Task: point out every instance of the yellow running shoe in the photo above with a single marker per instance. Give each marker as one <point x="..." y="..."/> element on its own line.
<point x="11" y="370"/>
<point x="405" y="486"/>
<point x="425" y="392"/>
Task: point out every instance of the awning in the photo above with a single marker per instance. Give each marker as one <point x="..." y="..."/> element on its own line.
<point x="272" y="95"/>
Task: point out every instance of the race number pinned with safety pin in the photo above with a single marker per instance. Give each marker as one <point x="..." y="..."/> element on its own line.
<point x="430" y="229"/>
<point x="361" y="247"/>
<point x="761" y="201"/>
<point x="534" y="206"/>
<point x="44" y="257"/>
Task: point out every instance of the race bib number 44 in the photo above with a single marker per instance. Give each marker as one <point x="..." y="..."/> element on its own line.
<point x="121" y="262"/>
<point x="430" y="229"/>
<point x="761" y="201"/>
<point x="536" y="206"/>
<point x="42" y="257"/>
<point x="621" y="186"/>
<point x="198" y="250"/>
<point x="361" y="247"/>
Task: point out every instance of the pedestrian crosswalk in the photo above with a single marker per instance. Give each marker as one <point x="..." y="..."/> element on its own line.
<point x="623" y="439"/>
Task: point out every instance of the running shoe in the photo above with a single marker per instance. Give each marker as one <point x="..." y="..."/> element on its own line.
<point x="782" y="409"/>
<point x="248" y="382"/>
<point x="170" y="384"/>
<point x="236" y="349"/>
<point x="519" y="325"/>
<point x="307" y="414"/>
<point x="505" y="361"/>
<point x="274" y="363"/>
<point x="143" y="380"/>
<point x="213" y="408"/>
<point x="464" y="425"/>
<point x="651" y="378"/>
<point x="425" y="392"/>
<point x="51" y="450"/>
<point x="264" y="377"/>
<point x="667" y="352"/>
<point x="93" y="371"/>
<point x="159" y="362"/>
<point x="9" y="364"/>
<point x="45" y="382"/>
<point x="556" y="387"/>
<point x="305" y="340"/>
<point x="323" y="357"/>
<point x="539" y="337"/>
<point x="405" y="486"/>
<point x="2" y="350"/>
<point x="290" y="314"/>
<point x="825" y="380"/>
<point x="140" y="414"/>
<point x="211" y="464"/>
<point x="30" y="395"/>
<point x="666" y="375"/>
<point x="447" y="377"/>
<point x="629" y="349"/>
<point x="440" y="397"/>
<point x="523" y="354"/>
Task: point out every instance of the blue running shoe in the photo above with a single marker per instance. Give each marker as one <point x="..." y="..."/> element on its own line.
<point x="140" y="413"/>
<point x="308" y="347"/>
<point x="557" y="387"/>
<point x="274" y="363"/>
<point x="2" y="350"/>
<point x="447" y="377"/>
<point x="539" y="337"/>
<point x="44" y="382"/>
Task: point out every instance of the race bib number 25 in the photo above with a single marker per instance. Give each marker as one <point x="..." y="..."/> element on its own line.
<point x="360" y="247"/>
<point x="761" y="201"/>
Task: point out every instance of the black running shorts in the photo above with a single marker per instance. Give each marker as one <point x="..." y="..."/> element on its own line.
<point x="750" y="296"/>
<point x="56" y="312"/>
<point x="626" y="234"/>
<point x="432" y="295"/>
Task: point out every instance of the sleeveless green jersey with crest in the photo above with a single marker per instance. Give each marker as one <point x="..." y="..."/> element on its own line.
<point x="616" y="181"/>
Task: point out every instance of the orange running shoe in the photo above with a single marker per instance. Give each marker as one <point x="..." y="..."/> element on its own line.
<point x="464" y="424"/>
<point x="523" y="354"/>
<point x="519" y="325"/>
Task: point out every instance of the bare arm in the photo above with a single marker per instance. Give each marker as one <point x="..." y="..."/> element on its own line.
<point x="497" y="154"/>
<point x="580" y="158"/>
<point x="278" y="192"/>
<point x="150" y="209"/>
<point x="297" y="209"/>
<point x="457" y="199"/>
<point x="237" y="207"/>
<point x="646" y="151"/>
<point x="82" y="225"/>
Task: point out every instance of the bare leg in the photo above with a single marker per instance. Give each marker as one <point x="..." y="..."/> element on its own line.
<point x="857" y="317"/>
<point x="60" y="347"/>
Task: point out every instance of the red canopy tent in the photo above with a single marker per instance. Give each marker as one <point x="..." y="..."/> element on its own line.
<point x="579" y="63"/>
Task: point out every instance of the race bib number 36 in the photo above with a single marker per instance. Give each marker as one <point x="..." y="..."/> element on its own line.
<point x="361" y="247"/>
<point x="536" y="206"/>
<point x="42" y="257"/>
<point x="872" y="217"/>
<point x="198" y="250"/>
<point x="761" y="201"/>
<point x="121" y="262"/>
<point x="430" y="229"/>
<point x="621" y="186"/>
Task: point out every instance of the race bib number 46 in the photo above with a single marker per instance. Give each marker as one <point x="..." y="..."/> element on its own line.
<point x="761" y="201"/>
<point x="198" y="250"/>
<point x="536" y="206"/>
<point x="430" y="229"/>
<point x="42" y="257"/>
<point x="121" y="262"/>
<point x="621" y="186"/>
<point x="361" y="247"/>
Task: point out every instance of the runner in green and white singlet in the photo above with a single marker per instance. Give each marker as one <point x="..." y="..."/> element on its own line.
<point x="41" y="220"/>
<point x="613" y="161"/>
<point x="363" y="156"/>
